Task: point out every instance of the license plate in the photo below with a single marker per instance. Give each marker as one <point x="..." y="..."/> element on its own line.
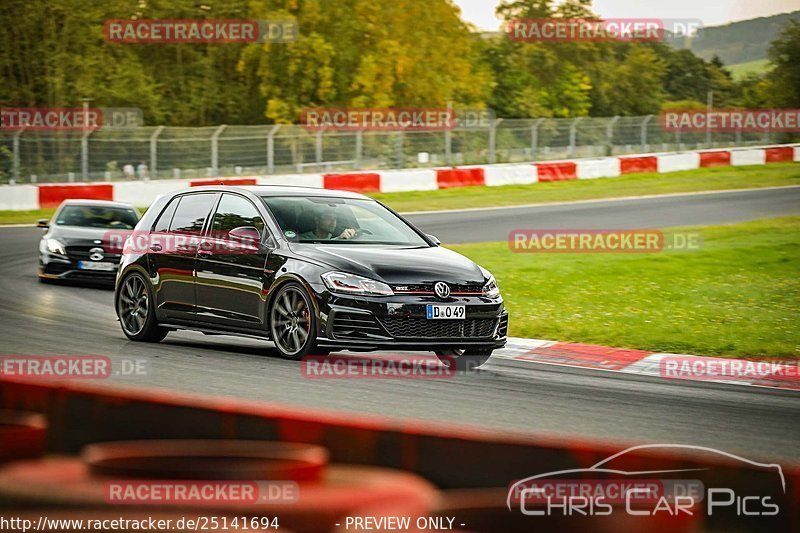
<point x="95" y="265"/>
<point x="446" y="312"/>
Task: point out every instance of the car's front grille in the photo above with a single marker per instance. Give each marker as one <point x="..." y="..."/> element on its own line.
<point x="423" y="328"/>
<point x="427" y="288"/>
<point x="82" y="253"/>
<point x="355" y="326"/>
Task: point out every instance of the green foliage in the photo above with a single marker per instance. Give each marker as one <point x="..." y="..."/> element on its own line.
<point x="784" y="53"/>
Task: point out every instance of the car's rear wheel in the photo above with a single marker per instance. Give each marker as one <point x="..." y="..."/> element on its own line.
<point x="293" y="323"/>
<point x="464" y="360"/>
<point x="136" y="310"/>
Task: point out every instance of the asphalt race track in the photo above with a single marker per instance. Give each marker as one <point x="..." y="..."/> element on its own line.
<point x="484" y="225"/>
<point x="37" y="319"/>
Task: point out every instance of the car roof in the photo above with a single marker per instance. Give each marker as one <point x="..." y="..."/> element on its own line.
<point x="96" y="203"/>
<point x="281" y="190"/>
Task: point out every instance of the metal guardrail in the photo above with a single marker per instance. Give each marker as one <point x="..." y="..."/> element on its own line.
<point x="170" y="152"/>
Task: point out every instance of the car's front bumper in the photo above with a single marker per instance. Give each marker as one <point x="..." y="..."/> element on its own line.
<point x="53" y="266"/>
<point x="400" y="322"/>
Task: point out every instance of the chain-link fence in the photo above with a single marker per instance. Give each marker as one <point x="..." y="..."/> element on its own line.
<point x="170" y="152"/>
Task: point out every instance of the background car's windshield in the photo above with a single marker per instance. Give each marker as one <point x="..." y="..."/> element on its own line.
<point x="340" y="221"/>
<point x="95" y="216"/>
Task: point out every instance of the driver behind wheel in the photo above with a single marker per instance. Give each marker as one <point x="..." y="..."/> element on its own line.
<point x="324" y="226"/>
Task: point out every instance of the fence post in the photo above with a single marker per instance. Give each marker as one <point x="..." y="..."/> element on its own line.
<point x="573" y="133"/>
<point x="215" y="150"/>
<point x="535" y="137"/>
<point x="154" y="152"/>
<point x="644" y="132"/>
<point x="85" y="155"/>
<point x="401" y="156"/>
<point x="15" y="157"/>
<point x="493" y="140"/>
<point x="271" y="148"/>
<point x="359" y="148"/>
<point x="318" y="150"/>
<point x="610" y="134"/>
<point x="448" y="147"/>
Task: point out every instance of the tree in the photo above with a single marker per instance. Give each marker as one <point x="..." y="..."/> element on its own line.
<point x="784" y="53"/>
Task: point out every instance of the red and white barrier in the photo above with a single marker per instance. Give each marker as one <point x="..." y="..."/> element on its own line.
<point x="142" y="193"/>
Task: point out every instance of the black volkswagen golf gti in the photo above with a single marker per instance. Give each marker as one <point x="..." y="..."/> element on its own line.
<point x="312" y="270"/>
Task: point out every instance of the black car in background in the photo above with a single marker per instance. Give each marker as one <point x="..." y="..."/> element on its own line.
<point x="84" y="240"/>
<point x="313" y="270"/>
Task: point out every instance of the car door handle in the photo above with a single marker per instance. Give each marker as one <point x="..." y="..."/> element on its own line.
<point x="156" y="247"/>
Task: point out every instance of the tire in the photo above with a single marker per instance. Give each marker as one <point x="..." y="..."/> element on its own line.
<point x="293" y="322"/>
<point x="135" y="307"/>
<point x="464" y="360"/>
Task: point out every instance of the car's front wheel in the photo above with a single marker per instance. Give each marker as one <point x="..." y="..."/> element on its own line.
<point x="464" y="360"/>
<point x="293" y="323"/>
<point x="136" y="310"/>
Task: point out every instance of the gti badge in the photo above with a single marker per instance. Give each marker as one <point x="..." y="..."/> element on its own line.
<point x="441" y="289"/>
<point x="96" y="254"/>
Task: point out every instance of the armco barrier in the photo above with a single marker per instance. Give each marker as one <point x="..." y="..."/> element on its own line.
<point x="604" y="167"/>
<point x="53" y="195"/>
<point x="510" y="174"/>
<point x="716" y="158"/>
<point x="451" y="457"/>
<point x="643" y="163"/>
<point x="357" y="181"/>
<point x="143" y="193"/>
<point x="779" y="155"/>
<point x="460" y="177"/>
<point x="748" y="157"/>
<point x="222" y="181"/>
<point x="557" y="171"/>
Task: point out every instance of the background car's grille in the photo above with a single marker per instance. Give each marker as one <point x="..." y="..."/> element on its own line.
<point x="355" y="326"/>
<point x="424" y="328"/>
<point x="82" y="253"/>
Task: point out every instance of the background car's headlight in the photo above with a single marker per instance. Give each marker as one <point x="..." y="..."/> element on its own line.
<point x="490" y="288"/>
<point x="342" y="282"/>
<point x="54" y="246"/>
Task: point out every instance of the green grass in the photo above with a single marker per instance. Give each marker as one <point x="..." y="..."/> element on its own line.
<point x="737" y="296"/>
<point x="741" y="70"/>
<point x="705" y="179"/>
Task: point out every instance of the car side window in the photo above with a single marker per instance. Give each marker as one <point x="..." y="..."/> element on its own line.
<point x="191" y="214"/>
<point x="233" y="212"/>
<point x="164" y="220"/>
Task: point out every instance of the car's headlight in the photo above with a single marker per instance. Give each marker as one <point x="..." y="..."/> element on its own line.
<point x="54" y="246"/>
<point x="490" y="288"/>
<point x="343" y="283"/>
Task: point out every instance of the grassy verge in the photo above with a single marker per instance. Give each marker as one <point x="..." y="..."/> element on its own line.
<point x="705" y="179"/>
<point x="25" y="217"/>
<point x="737" y="296"/>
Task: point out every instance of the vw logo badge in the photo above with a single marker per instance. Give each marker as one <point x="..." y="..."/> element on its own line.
<point x="96" y="254"/>
<point x="441" y="289"/>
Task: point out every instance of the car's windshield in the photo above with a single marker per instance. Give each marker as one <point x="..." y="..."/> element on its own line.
<point x="340" y="221"/>
<point x="96" y="216"/>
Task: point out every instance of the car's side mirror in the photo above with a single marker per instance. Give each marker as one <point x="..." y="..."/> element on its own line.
<point x="42" y="223"/>
<point x="435" y="240"/>
<point x="246" y="235"/>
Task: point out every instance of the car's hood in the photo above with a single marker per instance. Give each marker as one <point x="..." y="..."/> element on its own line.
<point x="395" y="264"/>
<point x="81" y="236"/>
